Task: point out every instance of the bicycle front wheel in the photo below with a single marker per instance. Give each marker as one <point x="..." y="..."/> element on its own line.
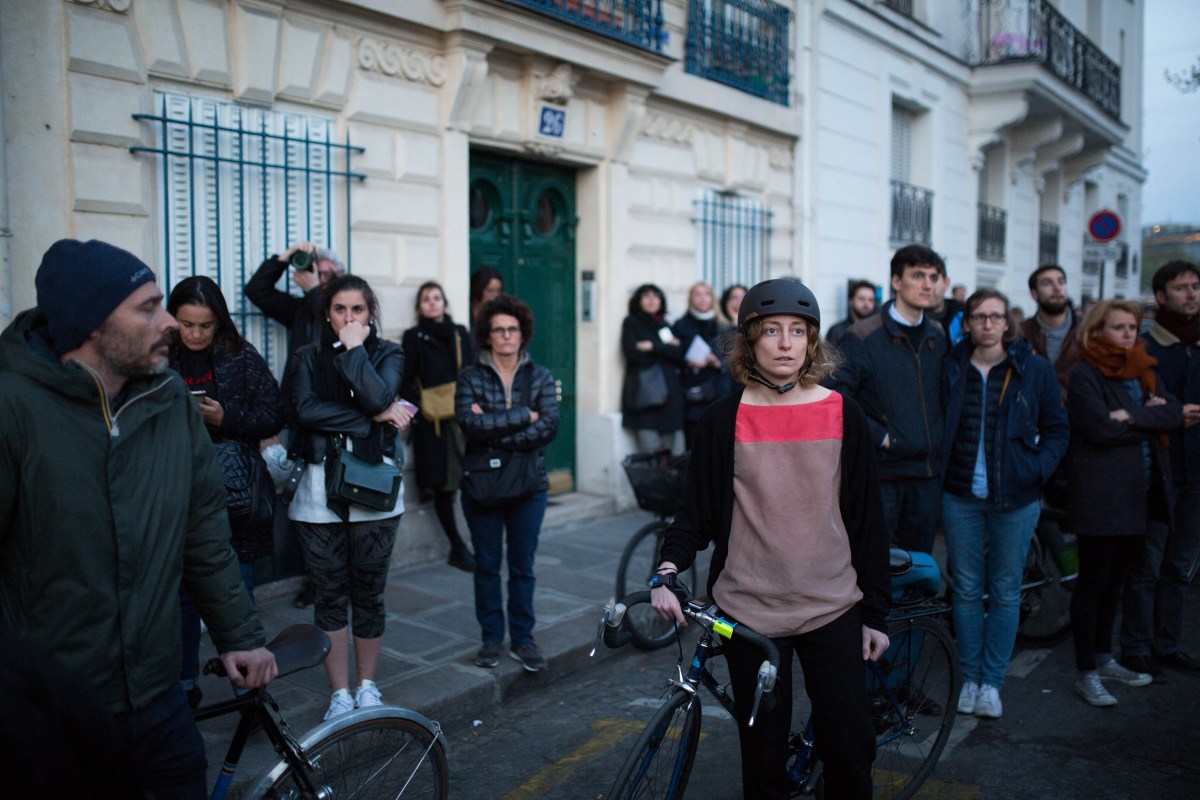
<point x="638" y="562"/>
<point x="1046" y="603"/>
<point x="661" y="761"/>
<point x="913" y="700"/>
<point x="369" y="753"/>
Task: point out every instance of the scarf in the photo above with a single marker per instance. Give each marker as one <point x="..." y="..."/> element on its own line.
<point x="1186" y="329"/>
<point x="703" y="315"/>
<point x="329" y="385"/>
<point x="1115" y="361"/>
<point x="443" y="330"/>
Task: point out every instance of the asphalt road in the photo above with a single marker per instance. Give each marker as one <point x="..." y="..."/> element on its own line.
<point x="567" y="738"/>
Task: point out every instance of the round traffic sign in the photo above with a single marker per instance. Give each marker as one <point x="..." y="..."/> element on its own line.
<point x="1104" y="226"/>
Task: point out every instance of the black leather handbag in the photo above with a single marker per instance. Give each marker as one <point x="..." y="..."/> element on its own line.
<point x="250" y="498"/>
<point x="350" y="479"/>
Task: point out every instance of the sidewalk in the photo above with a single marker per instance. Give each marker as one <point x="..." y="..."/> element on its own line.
<point x="431" y="637"/>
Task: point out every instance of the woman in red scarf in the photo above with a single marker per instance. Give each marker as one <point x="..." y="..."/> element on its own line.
<point x="1119" y="478"/>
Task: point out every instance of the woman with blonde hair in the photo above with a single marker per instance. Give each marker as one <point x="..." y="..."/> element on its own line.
<point x="701" y="374"/>
<point x="1119" y="477"/>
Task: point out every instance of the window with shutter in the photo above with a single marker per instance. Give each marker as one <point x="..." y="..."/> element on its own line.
<point x="734" y="233"/>
<point x="237" y="184"/>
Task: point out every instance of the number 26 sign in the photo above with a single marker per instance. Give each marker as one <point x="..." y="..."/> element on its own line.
<point x="551" y="121"/>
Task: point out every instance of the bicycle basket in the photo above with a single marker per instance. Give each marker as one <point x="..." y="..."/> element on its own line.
<point x="657" y="480"/>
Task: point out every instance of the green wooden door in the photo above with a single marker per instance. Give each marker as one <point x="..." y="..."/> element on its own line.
<point x="522" y="217"/>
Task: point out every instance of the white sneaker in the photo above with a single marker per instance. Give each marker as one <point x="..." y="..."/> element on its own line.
<point x="367" y="694"/>
<point x="1112" y="671"/>
<point x="968" y="698"/>
<point x="1092" y="690"/>
<point x="988" y="705"/>
<point x="339" y="703"/>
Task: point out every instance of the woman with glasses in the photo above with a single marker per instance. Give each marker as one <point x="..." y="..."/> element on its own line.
<point x="1006" y="431"/>
<point x="504" y="404"/>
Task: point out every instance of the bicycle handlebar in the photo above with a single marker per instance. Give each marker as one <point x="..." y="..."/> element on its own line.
<point x="615" y="634"/>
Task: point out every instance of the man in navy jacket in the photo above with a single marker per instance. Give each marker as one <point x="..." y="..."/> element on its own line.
<point x="894" y="370"/>
<point x="1152" y="627"/>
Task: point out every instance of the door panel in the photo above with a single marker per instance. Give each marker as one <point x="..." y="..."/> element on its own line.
<point x="523" y="225"/>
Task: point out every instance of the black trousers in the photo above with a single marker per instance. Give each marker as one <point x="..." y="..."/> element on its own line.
<point x="836" y="683"/>
<point x="1104" y="562"/>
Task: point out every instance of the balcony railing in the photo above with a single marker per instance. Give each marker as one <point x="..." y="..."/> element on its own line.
<point x="993" y="224"/>
<point x="1047" y="243"/>
<point x="1032" y="30"/>
<point x="912" y="213"/>
<point x="900" y="6"/>
<point x="740" y="43"/>
<point x="636" y="22"/>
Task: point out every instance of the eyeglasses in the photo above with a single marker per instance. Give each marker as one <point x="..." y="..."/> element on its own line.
<point x="504" y="333"/>
<point x="980" y="319"/>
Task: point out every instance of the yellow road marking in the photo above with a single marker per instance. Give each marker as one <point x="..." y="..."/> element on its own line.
<point x="610" y="731"/>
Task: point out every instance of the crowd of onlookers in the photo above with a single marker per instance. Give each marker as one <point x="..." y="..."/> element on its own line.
<point x="979" y="418"/>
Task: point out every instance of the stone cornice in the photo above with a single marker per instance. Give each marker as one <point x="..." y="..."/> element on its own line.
<point x="116" y="6"/>
<point x="668" y="129"/>
<point x="397" y="61"/>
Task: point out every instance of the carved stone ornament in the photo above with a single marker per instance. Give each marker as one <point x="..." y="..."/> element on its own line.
<point x="558" y="86"/>
<point x="543" y="149"/>
<point x="118" y="6"/>
<point x="396" y="61"/>
<point x="668" y="129"/>
<point x="780" y="157"/>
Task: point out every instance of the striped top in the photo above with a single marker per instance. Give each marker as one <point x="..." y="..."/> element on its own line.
<point x="788" y="570"/>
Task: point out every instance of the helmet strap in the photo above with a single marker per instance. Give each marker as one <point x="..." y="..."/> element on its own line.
<point x="756" y="376"/>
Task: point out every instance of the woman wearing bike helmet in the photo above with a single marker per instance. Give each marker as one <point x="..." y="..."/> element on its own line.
<point x="783" y="481"/>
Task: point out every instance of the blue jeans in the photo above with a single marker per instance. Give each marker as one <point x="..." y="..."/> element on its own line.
<point x="519" y="525"/>
<point x="987" y="550"/>
<point x="1157" y="587"/>
<point x="911" y="509"/>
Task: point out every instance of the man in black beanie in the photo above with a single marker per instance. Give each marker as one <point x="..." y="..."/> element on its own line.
<point x="111" y="497"/>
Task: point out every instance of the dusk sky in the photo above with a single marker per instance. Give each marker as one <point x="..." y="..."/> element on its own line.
<point x="1171" y="134"/>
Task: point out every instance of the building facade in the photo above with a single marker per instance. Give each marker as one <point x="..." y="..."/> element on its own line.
<point x="581" y="147"/>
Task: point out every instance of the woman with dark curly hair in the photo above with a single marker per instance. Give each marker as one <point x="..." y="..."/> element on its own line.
<point x="506" y="404"/>
<point x="239" y="400"/>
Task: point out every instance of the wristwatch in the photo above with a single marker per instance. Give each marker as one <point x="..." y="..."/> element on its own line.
<point x="669" y="580"/>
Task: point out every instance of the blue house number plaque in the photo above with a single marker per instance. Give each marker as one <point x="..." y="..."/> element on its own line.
<point x="552" y="122"/>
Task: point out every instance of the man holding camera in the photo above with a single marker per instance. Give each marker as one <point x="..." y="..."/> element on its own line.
<point x="313" y="268"/>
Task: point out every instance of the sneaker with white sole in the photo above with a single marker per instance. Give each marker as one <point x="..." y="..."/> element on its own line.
<point x="367" y="694"/>
<point x="1112" y="671"/>
<point x="339" y="703"/>
<point x="1092" y="690"/>
<point x="968" y="698"/>
<point x="988" y="705"/>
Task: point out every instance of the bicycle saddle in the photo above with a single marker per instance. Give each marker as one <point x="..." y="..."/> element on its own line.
<point x="901" y="561"/>
<point x="299" y="647"/>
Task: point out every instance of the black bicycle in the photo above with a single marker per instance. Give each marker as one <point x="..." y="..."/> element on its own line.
<point x="913" y="691"/>
<point x="380" y="751"/>
<point x="1051" y="568"/>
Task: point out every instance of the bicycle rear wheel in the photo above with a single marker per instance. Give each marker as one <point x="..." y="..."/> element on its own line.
<point x="638" y="563"/>
<point x="913" y="701"/>
<point x="659" y="764"/>
<point x="1045" y="607"/>
<point x="376" y="752"/>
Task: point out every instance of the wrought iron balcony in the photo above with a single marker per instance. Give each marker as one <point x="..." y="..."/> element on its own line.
<point x="912" y="213"/>
<point x="1047" y="243"/>
<point x="900" y="6"/>
<point x="993" y="224"/>
<point x="636" y="22"/>
<point x="740" y="43"/>
<point x="1032" y="30"/>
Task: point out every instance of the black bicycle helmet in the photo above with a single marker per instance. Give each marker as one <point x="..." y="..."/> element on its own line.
<point x="779" y="296"/>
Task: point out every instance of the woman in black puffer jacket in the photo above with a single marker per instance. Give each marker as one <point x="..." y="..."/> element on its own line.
<point x="506" y="403"/>
<point x="346" y="385"/>
<point x="653" y="356"/>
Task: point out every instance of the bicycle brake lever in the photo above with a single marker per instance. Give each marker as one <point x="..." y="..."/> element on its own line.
<point x="604" y="618"/>
<point x="766" y="683"/>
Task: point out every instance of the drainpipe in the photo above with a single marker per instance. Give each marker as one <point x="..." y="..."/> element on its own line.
<point x="6" y="290"/>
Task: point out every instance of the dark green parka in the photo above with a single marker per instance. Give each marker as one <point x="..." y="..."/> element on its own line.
<point x="102" y="514"/>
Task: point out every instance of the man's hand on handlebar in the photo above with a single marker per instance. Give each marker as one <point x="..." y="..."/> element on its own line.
<point x="250" y="669"/>
<point x="875" y="644"/>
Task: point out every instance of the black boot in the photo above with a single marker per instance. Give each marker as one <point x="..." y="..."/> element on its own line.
<point x="461" y="558"/>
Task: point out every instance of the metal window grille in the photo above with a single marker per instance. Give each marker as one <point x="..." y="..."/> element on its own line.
<point x="993" y="223"/>
<point x="237" y="184"/>
<point x="1047" y="243"/>
<point x="912" y="214"/>
<point x="740" y="43"/>
<point x="734" y="232"/>
<point x="901" y="6"/>
<point x="637" y="22"/>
